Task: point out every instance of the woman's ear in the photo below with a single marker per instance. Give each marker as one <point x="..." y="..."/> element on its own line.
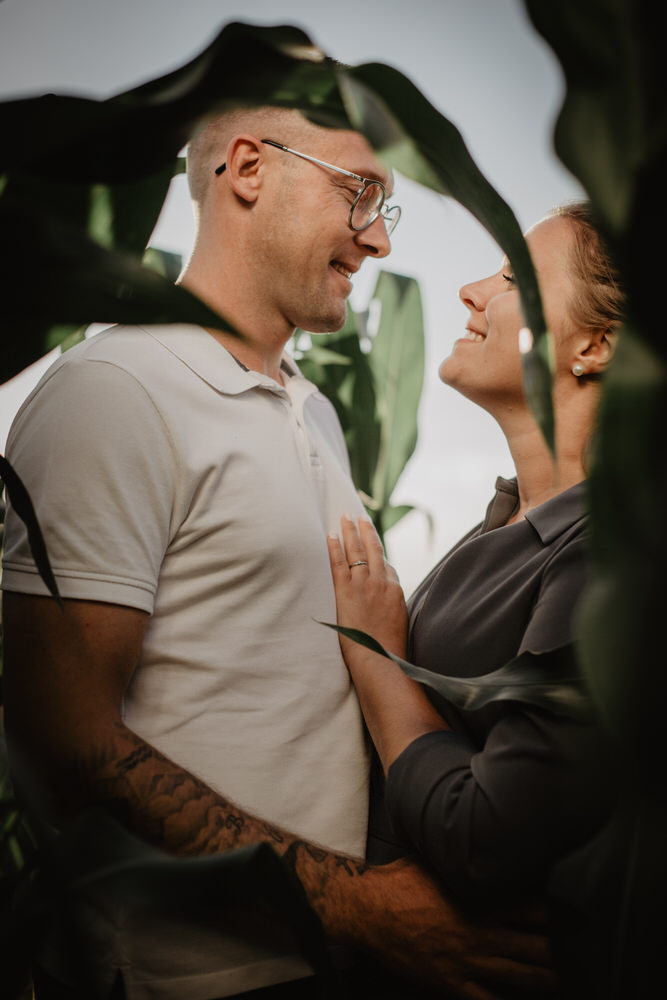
<point x="595" y="352"/>
<point x="245" y="158"/>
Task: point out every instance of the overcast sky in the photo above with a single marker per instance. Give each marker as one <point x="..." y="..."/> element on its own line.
<point x="478" y="61"/>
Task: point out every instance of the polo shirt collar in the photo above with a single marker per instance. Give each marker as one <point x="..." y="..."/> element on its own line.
<point x="212" y="362"/>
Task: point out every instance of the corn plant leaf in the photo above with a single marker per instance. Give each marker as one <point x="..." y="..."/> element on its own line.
<point x="397" y="364"/>
<point x="612" y="134"/>
<point x="376" y="392"/>
<point x="84" y="140"/>
<point x="76" y="139"/>
<point x="68" y="159"/>
<point x="548" y="680"/>
<point x="350" y="387"/>
<point x="58" y="272"/>
<point x="97" y="858"/>
<point x="413" y="137"/>
<point x="23" y="507"/>
<point x="392" y="514"/>
<point x="165" y="262"/>
<point x="599" y="131"/>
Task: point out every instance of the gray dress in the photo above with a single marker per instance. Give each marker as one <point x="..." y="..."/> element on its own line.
<point x="496" y="802"/>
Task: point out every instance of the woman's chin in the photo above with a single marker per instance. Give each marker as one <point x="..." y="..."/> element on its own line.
<point x="448" y="371"/>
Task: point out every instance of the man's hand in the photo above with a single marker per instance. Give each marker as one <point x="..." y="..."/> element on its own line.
<point x="399" y="915"/>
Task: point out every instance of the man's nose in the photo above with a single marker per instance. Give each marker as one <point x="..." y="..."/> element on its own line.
<point x="374" y="239"/>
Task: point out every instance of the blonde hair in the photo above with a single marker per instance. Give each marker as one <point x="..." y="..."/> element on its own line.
<point x="598" y="302"/>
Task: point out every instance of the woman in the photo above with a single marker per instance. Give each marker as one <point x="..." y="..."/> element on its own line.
<point x="493" y="798"/>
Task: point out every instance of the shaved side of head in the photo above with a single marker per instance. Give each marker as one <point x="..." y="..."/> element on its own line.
<point x="207" y="149"/>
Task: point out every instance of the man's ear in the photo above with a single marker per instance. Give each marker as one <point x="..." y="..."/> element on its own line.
<point x="245" y="158"/>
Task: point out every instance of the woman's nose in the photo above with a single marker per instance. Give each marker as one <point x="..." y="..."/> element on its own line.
<point x="471" y="296"/>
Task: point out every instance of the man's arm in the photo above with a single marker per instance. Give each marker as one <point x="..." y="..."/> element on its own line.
<point x="65" y="675"/>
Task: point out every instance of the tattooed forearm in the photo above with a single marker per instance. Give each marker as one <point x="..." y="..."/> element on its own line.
<point x="133" y="759"/>
<point x="300" y="850"/>
<point x="351" y="865"/>
<point x="164" y="803"/>
<point x="272" y="834"/>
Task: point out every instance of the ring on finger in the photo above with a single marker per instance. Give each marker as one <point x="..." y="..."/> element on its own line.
<point x="359" y="562"/>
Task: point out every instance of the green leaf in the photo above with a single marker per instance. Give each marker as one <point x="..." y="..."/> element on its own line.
<point x="318" y="357"/>
<point x="392" y="515"/>
<point x="166" y="263"/>
<point x="397" y="365"/>
<point x="57" y="274"/>
<point x="549" y="680"/>
<point x="83" y="140"/>
<point x="120" y="216"/>
<point x="69" y="340"/>
<point x="599" y="132"/>
<point x="350" y="386"/>
<point x="413" y="137"/>
<point x="87" y="141"/>
<point x="24" y="509"/>
<point x="376" y="394"/>
<point x="96" y="858"/>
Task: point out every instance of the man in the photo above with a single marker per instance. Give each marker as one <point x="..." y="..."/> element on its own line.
<point x="185" y="480"/>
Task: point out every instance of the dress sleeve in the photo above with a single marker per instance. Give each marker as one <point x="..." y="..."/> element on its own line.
<point x="500" y="816"/>
<point x="96" y="459"/>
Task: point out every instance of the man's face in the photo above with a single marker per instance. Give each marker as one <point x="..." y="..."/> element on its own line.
<point x="308" y="251"/>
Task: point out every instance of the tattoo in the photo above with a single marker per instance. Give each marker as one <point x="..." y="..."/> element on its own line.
<point x="234" y="823"/>
<point x="174" y="809"/>
<point x="160" y="801"/>
<point x="272" y="833"/>
<point x="352" y="866"/>
<point x="139" y="756"/>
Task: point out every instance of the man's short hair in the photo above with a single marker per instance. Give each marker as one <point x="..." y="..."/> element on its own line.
<point x="208" y="147"/>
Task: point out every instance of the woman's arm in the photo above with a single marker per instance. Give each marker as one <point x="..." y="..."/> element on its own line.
<point x="484" y="817"/>
<point x="369" y="597"/>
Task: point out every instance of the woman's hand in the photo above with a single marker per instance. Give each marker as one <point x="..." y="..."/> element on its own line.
<point x="368" y="594"/>
<point x="368" y="597"/>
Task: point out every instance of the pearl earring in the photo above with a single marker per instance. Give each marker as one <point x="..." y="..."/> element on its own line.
<point x="577" y="369"/>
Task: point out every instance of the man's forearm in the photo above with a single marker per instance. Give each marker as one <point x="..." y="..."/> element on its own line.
<point x="161" y="801"/>
<point x="396" y="912"/>
<point x="173" y="809"/>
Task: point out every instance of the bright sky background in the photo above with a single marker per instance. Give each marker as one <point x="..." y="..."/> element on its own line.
<point x="478" y="61"/>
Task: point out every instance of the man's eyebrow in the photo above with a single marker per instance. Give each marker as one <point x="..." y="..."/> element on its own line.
<point x="385" y="178"/>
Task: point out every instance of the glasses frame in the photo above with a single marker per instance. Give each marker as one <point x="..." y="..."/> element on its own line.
<point x="382" y="209"/>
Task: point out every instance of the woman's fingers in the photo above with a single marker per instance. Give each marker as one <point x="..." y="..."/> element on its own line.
<point x="354" y="547"/>
<point x="373" y="548"/>
<point x="339" y="567"/>
<point x="358" y="553"/>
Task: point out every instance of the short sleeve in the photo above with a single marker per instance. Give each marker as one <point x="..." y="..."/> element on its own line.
<point x="96" y="458"/>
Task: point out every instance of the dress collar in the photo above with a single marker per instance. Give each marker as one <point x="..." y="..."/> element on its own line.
<point x="548" y="519"/>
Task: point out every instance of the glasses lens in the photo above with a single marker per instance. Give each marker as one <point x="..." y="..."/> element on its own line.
<point x="391" y="217"/>
<point x="368" y="205"/>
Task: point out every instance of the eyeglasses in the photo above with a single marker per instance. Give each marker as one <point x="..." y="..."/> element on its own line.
<point x="369" y="199"/>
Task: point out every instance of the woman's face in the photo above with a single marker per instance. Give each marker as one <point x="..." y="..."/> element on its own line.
<point x="485" y="364"/>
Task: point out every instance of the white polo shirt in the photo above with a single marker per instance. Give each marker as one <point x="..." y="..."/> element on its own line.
<point x="169" y="478"/>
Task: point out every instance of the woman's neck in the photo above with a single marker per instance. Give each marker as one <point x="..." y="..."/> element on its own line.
<point x="541" y="475"/>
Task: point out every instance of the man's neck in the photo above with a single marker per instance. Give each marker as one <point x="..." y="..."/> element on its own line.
<point x="258" y="343"/>
<point x="256" y="358"/>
